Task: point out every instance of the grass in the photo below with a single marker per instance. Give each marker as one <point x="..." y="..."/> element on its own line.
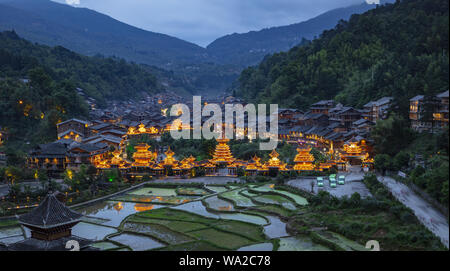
<point x="340" y="241"/>
<point x="224" y="234"/>
<point x="177" y="215"/>
<point x="178" y="226"/>
<point x="221" y="239"/>
<point x="8" y="223"/>
<point x="277" y="200"/>
<point x="241" y="228"/>
<point x="157" y="231"/>
<point x="360" y="225"/>
<point x="273" y="209"/>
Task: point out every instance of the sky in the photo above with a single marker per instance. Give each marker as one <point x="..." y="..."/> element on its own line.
<point x="203" y="21"/>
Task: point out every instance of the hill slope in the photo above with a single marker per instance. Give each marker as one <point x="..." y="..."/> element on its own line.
<point x="100" y="78"/>
<point x="89" y="33"/>
<point x="250" y="48"/>
<point x="397" y="50"/>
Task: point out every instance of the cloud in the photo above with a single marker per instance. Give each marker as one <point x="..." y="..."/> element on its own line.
<point x="202" y="21"/>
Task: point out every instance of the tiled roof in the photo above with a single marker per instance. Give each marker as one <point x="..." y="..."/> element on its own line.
<point x="76" y="120"/>
<point x="50" y="213"/>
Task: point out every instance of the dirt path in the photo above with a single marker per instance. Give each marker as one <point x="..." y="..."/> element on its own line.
<point x="424" y="211"/>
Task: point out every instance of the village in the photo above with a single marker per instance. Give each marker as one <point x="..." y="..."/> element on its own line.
<point x="340" y="132"/>
<point x="221" y="186"/>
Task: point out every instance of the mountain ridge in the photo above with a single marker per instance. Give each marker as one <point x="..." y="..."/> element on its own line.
<point x="249" y="48"/>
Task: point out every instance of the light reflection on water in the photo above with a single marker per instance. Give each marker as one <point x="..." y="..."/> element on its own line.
<point x="115" y="212"/>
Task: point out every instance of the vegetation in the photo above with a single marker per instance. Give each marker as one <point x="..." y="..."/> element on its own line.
<point x="250" y="48"/>
<point x="397" y="50"/>
<point x="380" y="217"/>
<point x="99" y="77"/>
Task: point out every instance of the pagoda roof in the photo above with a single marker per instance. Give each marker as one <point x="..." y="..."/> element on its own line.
<point x="49" y="214"/>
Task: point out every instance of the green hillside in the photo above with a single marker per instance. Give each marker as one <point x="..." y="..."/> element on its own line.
<point x="399" y="49"/>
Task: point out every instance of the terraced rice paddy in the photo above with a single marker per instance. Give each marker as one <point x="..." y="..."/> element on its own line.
<point x="258" y="247"/>
<point x="137" y="242"/>
<point x="196" y="207"/>
<point x="10" y="231"/>
<point x="238" y="199"/>
<point x="221" y="239"/>
<point x="276" y="228"/>
<point x="155" y="191"/>
<point x="299" y="200"/>
<point x="12" y="239"/>
<point x="246" y="219"/>
<point x="113" y="213"/>
<point x="192" y="191"/>
<point x="300" y="243"/>
<point x="92" y="231"/>
<point x="254" y="219"/>
<point x="217" y="189"/>
<point x="105" y="245"/>
<point x="341" y="241"/>
<point x="170" y="200"/>
<point x="219" y="204"/>
<point x="159" y="232"/>
<point x="277" y="200"/>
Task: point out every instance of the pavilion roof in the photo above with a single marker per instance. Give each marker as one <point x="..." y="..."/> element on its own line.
<point x="50" y="213"/>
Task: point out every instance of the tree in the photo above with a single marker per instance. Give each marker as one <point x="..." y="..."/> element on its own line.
<point x="383" y="162"/>
<point x="391" y="135"/>
<point x="401" y="160"/>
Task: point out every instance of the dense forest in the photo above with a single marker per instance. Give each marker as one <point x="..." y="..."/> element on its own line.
<point x="398" y="50"/>
<point x="38" y="88"/>
<point x="99" y="77"/>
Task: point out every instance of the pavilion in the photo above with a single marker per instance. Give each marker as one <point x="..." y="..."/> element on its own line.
<point x="51" y="226"/>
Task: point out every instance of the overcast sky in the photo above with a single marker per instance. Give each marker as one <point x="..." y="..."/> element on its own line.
<point x="203" y="21"/>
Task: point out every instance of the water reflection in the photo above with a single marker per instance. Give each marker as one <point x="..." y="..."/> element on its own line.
<point x="115" y="212"/>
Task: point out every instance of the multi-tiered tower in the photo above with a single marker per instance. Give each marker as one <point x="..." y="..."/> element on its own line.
<point x="304" y="160"/>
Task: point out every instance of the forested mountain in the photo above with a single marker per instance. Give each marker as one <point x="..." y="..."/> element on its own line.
<point x="38" y="86"/>
<point x="99" y="77"/>
<point x="250" y="48"/>
<point x="88" y="32"/>
<point x="397" y="50"/>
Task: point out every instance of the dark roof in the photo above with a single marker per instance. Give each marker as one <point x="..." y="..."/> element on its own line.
<point x="89" y="147"/>
<point x="443" y="94"/>
<point x="101" y="126"/>
<point x="417" y="98"/>
<point x="50" y="149"/>
<point x="32" y="244"/>
<point x="50" y="213"/>
<point x="68" y="132"/>
<point x="114" y="131"/>
<point x="76" y="120"/>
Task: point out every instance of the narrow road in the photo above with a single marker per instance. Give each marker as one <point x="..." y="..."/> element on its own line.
<point x="431" y="218"/>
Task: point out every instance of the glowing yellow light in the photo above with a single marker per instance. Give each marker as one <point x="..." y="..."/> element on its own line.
<point x="70" y="174"/>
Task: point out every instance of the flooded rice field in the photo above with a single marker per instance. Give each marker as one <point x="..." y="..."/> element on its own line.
<point x="145" y="219"/>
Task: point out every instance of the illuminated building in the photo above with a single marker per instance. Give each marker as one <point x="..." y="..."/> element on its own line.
<point x="304" y="160"/>
<point x="222" y="154"/>
<point x="274" y="164"/>
<point x="142" y="157"/>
